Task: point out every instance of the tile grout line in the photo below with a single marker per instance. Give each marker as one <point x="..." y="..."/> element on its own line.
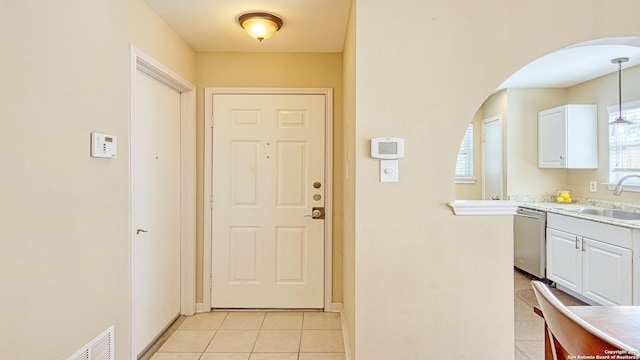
<point x="301" y="330"/>
<point x="214" y="335"/>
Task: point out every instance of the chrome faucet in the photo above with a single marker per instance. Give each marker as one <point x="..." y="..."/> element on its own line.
<point x="618" y="189"/>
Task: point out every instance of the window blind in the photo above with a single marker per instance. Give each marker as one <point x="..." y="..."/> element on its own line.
<point x="624" y="143"/>
<point x="464" y="165"/>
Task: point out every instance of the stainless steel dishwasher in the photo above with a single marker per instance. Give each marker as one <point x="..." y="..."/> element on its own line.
<point x="529" y="241"/>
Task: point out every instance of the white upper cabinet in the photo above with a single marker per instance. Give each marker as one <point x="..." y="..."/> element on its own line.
<point x="568" y="137"/>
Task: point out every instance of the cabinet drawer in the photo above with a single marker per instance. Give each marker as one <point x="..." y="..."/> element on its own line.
<point x="610" y="234"/>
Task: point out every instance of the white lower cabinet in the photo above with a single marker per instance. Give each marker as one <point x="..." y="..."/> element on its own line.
<point x="591" y="259"/>
<point x="564" y="260"/>
<point x="606" y="273"/>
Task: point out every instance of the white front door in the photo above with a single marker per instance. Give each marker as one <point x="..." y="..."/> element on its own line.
<point x="268" y="176"/>
<point x="156" y="248"/>
<point x="492" y="159"/>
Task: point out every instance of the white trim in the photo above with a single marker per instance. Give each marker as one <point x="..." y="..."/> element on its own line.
<point x="465" y="180"/>
<point x="328" y="223"/>
<point x="345" y="333"/>
<point x="144" y="63"/>
<point x="484" y="207"/>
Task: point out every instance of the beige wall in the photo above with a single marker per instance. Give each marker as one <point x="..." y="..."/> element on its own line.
<point x="523" y="175"/>
<point x="422" y="274"/>
<point x="603" y="91"/>
<point x="64" y="218"/>
<point x="518" y="109"/>
<point x="317" y="70"/>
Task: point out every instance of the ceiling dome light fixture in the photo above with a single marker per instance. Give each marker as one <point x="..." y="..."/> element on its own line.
<point x="260" y="25"/>
<point x="619" y="121"/>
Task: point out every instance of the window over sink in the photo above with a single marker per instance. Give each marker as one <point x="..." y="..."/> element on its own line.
<point x="624" y="143"/>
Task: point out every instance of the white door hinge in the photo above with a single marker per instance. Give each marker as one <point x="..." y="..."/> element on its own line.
<point x="211" y="202"/>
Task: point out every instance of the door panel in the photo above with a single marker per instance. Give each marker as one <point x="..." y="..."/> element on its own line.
<point x="267" y="250"/>
<point x="607" y="273"/>
<point x="564" y="259"/>
<point x="243" y="255"/>
<point x="245" y="177"/>
<point x="156" y="274"/>
<point x="492" y="159"/>
<point x="291" y="251"/>
<point x="291" y="174"/>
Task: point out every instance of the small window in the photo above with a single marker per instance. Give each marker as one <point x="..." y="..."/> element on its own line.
<point x="624" y="143"/>
<point x="464" y="165"/>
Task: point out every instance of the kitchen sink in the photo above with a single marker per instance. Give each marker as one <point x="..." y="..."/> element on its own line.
<point x="616" y="214"/>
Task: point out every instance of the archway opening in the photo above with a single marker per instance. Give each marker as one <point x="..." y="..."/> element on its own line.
<point x="578" y="74"/>
<point x="581" y="74"/>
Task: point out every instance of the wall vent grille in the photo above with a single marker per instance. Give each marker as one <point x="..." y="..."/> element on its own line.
<point x="100" y="348"/>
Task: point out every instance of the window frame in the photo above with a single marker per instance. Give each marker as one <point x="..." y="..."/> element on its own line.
<point x="631" y="112"/>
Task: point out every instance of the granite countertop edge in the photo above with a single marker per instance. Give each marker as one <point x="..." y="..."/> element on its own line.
<point x="562" y="209"/>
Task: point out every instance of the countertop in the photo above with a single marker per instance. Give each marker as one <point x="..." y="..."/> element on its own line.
<point x="561" y="209"/>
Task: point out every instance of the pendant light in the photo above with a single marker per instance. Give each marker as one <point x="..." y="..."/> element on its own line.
<point x="260" y="25"/>
<point x="619" y="121"/>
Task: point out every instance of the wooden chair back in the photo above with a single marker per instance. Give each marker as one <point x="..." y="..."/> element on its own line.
<point x="569" y="335"/>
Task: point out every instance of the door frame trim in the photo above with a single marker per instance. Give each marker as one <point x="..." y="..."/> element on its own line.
<point x="205" y="306"/>
<point x="149" y="66"/>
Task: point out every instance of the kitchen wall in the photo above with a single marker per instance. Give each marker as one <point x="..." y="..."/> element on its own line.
<point x="64" y="216"/>
<point x="421" y="273"/>
<point x="522" y="175"/>
<point x="309" y="70"/>
<point x="604" y="92"/>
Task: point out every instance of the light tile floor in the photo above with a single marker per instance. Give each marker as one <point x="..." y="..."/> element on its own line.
<point x="222" y="335"/>
<point x="255" y="335"/>
<point x="529" y="327"/>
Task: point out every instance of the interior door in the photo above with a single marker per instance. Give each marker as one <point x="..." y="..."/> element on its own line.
<point x="492" y="159"/>
<point x="268" y="178"/>
<point x="156" y="272"/>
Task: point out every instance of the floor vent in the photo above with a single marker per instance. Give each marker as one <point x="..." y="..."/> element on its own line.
<point x="100" y="348"/>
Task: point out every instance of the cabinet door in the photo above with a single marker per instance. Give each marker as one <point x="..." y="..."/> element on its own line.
<point x="606" y="276"/>
<point x="564" y="259"/>
<point x="552" y="138"/>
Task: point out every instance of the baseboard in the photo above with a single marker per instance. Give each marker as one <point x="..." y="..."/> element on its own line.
<point x="335" y="307"/>
<point x="345" y="332"/>
<point x="201" y="307"/>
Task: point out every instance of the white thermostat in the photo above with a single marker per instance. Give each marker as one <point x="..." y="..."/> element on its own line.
<point x="388" y="150"/>
<point x="104" y="146"/>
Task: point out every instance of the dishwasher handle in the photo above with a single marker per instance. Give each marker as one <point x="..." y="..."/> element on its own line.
<point x="528" y="216"/>
<point x="530" y="213"/>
